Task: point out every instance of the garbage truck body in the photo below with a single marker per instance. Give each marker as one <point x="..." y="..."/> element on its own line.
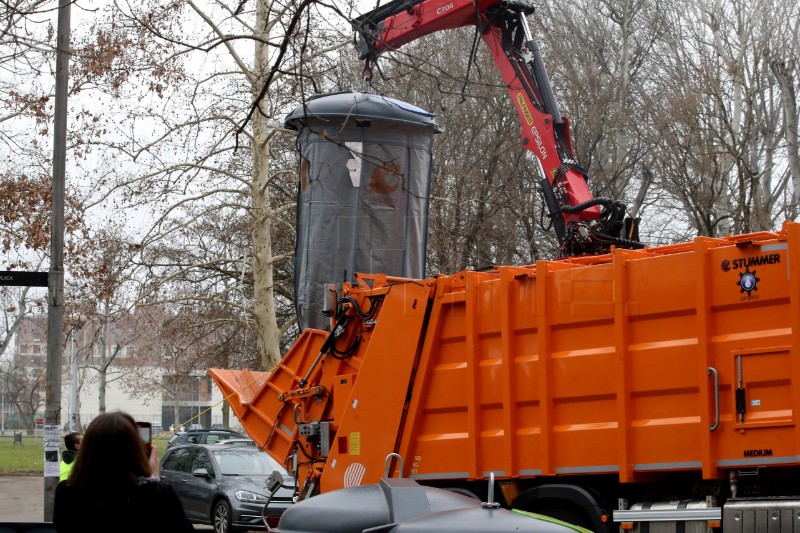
<point x="653" y="386"/>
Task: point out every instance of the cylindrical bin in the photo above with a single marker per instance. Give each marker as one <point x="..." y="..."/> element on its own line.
<point x="362" y="201"/>
<point x="401" y="505"/>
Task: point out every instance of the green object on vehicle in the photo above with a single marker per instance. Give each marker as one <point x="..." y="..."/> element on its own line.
<point x="552" y="520"/>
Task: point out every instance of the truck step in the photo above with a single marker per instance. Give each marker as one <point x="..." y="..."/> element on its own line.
<point x="757" y="515"/>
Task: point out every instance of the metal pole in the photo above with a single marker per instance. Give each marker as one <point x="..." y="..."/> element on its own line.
<point x="55" y="300"/>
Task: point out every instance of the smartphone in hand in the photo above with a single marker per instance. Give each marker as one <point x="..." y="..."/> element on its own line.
<point x="146" y="434"/>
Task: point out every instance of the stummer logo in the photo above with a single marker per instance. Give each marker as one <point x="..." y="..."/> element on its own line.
<point x="758" y="453"/>
<point x="746" y="262"/>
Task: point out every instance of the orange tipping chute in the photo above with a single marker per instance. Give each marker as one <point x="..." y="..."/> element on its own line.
<point x="239" y="387"/>
<point x="256" y="396"/>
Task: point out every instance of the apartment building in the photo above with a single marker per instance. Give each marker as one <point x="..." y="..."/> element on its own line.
<point x="139" y="378"/>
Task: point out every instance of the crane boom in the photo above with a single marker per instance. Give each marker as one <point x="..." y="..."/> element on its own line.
<point x="583" y="224"/>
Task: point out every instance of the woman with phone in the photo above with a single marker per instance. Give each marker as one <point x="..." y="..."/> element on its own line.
<point x="114" y="484"/>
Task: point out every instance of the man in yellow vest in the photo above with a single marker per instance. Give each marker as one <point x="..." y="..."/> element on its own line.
<point x="73" y="443"/>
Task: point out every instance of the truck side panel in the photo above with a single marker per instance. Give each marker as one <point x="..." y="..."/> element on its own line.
<point x="600" y="366"/>
<point x="574" y="368"/>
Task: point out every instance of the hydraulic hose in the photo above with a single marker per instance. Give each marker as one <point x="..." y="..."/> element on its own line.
<point x="625" y="243"/>
<point x="570" y="209"/>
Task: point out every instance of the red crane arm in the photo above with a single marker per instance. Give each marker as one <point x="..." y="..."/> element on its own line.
<point x="548" y="137"/>
<point x="580" y="223"/>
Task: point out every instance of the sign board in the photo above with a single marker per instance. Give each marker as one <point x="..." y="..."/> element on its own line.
<point x="52" y="443"/>
<point x="20" y="278"/>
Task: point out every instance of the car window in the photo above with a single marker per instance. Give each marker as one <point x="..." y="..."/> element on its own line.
<point x="178" y="460"/>
<point x="243" y="462"/>
<point x="214" y="438"/>
<point x="239" y="442"/>
<point x="194" y="439"/>
<point x="201" y="459"/>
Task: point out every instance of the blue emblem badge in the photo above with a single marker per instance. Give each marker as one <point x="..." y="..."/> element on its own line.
<point x="748" y="281"/>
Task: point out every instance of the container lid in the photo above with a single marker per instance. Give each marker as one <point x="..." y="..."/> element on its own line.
<point x="401" y="505"/>
<point x="359" y="106"/>
<point x="354" y="509"/>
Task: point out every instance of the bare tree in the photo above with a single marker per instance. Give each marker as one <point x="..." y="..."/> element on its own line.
<point x="721" y="117"/>
<point x="782" y="52"/>
<point x="601" y="77"/>
<point x="209" y="152"/>
<point x="24" y="388"/>
<point x="104" y="312"/>
<point x="185" y="341"/>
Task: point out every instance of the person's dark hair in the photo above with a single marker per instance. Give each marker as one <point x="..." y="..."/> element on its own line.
<point x="71" y="440"/>
<point x="111" y="456"/>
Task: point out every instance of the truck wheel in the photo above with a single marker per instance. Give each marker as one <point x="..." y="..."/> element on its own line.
<point x="221" y="517"/>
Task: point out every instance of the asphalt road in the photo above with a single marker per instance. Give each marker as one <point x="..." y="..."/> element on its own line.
<point x="22" y="500"/>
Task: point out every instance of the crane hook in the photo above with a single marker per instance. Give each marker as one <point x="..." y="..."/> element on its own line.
<point x="366" y="76"/>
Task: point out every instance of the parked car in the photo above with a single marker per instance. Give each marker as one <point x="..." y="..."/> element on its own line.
<point x="224" y="486"/>
<point x="203" y="436"/>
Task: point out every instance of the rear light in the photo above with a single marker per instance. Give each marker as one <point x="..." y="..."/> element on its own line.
<point x="272" y="521"/>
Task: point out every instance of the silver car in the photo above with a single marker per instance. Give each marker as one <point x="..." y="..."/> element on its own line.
<point x="224" y="486"/>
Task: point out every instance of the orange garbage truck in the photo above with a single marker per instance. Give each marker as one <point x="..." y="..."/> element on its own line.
<point x="655" y="389"/>
<point x="619" y="387"/>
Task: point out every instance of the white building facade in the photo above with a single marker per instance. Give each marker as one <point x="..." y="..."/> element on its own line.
<point x="133" y="382"/>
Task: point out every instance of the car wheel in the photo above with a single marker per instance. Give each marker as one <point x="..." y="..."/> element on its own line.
<point x="221" y="517"/>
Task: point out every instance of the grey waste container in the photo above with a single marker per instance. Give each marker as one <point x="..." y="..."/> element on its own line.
<point x="362" y="201"/>
<point x="402" y="505"/>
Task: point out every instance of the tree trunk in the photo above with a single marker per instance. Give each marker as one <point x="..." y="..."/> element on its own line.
<point x="784" y="73"/>
<point x="103" y="367"/>
<point x="226" y="415"/>
<point x="176" y="412"/>
<point x="102" y="393"/>
<point x="268" y="334"/>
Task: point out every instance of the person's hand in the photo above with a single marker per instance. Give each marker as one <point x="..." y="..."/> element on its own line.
<point x="155" y="466"/>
